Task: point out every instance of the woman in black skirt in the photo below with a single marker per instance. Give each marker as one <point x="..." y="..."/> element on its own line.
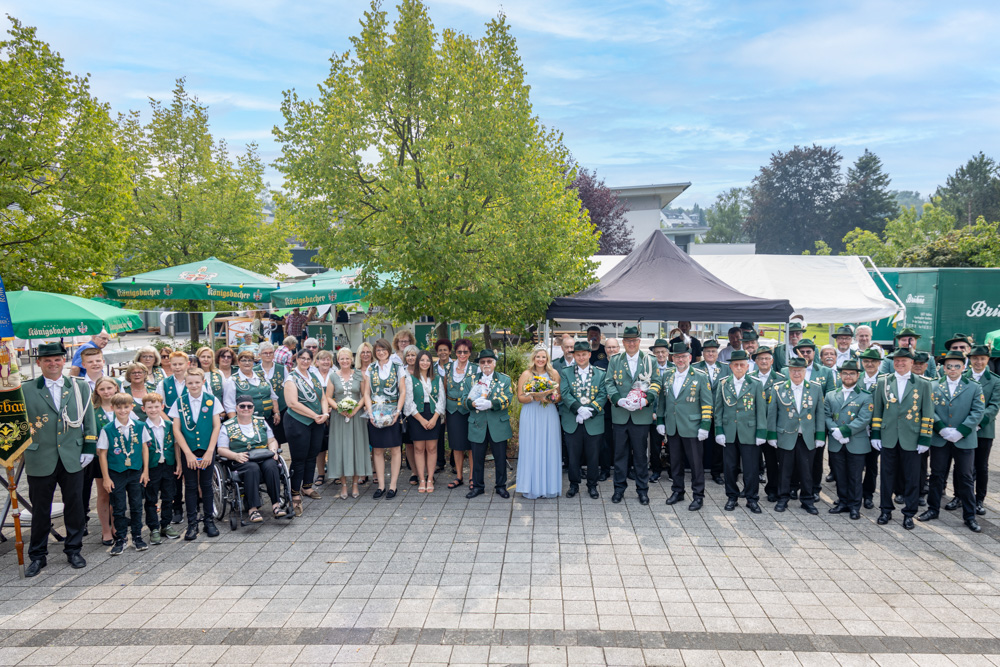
<point x="458" y="381"/>
<point x="409" y="367"/>
<point x="424" y="410"/>
<point x="384" y="393"/>
<point x="308" y="411"/>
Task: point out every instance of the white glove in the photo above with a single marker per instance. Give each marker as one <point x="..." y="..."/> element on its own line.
<point x="820" y="443"/>
<point x="85" y="459"/>
<point x="837" y="435"/>
<point x="720" y="440"/>
<point x="702" y="434"/>
<point x="661" y="429"/>
<point x="585" y="412"/>
<point x="922" y="449"/>
<point x="579" y="419"/>
<point x="844" y="441"/>
<point x="621" y="403"/>
<point x="760" y="441"/>
<point x="773" y="443"/>
<point x="877" y="444"/>
<point x="642" y="403"/>
<point x="951" y="434"/>
<point x="482" y="404"/>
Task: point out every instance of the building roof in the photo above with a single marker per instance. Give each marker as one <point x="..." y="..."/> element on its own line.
<point x="666" y="191"/>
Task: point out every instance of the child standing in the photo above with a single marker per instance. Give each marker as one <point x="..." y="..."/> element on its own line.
<point x="163" y="470"/>
<point x="124" y="462"/>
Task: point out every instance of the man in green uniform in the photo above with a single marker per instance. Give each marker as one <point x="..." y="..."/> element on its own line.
<point x="63" y="443"/>
<point x="815" y="372"/>
<point x="848" y="413"/>
<point x="489" y="423"/>
<point x="740" y="417"/>
<point x="768" y="377"/>
<point x="979" y="372"/>
<point x="871" y="359"/>
<point x="907" y="338"/>
<point x="661" y="349"/>
<point x="716" y="372"/>
<point x="782" y="353"/>
<point x="583" y="395"/>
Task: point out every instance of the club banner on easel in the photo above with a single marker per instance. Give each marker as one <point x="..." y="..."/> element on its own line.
<point x="15" y="432"/>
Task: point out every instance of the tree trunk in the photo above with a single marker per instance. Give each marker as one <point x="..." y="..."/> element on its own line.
<point x="487" y="337"/>
<point x="442" y="330"/>
<point x="193" y="324"/>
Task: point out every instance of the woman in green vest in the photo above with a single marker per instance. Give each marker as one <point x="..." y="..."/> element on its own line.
<point x="348" y="452"/>
<point x="150" y="358"/>
<point x="308" y="411"/>
<point x="384" y="394"/>
<point x="275" y="376"/>
<point x="424" y="408"/>
<point x="244" y="433"/>
<point x="458" y="381"/>
<point x="136" y="385"/>
<point x="225" y="362"/>
<point x="215" y="382"/>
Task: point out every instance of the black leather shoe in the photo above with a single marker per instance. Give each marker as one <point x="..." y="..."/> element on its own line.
<point x="884" y="518"/>
<point x="837" y="508"/>
<point x="754" y="506"/>
<point x="617" y="497"/>
<point x="474" y="493"/>
<point x="76" y="561"/>
<point x="869" y="504"/>
<point x="192" y="532"/>
<point x="908" y="522"/>
<point x="829" y="477"/>
<point x="34" y="567"/>
<point x="781" y="506"/>
<point x="980" y="509"/>
<point x="811" y="509"/>
<point x="594" y="493"/>
<point x="674" y="498"/>
<point x="573" y="490"/>
<point x="730" y="504"/>
<point x="643" y="499"/>
<point x="654" y="477"/>
<point x="953" y="504"/>
<point x="855" y="515"/>
<point x="603" y="477"/>
<point x="390" y="494"/>
<point x="772" y="497"/>
<point x="973" y="525"/>
<point x="696" y="504"/>
<point x="210" y="528"/>
<point x="719" y="479"/>
<point x="503" y="493"/>
<point x="378" y="493"/>
<point x="928" y="515"/>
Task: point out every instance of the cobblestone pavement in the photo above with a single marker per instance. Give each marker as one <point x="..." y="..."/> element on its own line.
<point x="436" y="578"/>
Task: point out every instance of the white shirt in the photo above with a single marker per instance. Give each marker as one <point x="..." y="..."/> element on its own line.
<point x="124" y="429"/>
<point x="977" y="376"/>
<point x="870" y="380"/>
<point x="583" y="373"/>
<point x="633" y="363"/>
<point x="195" y="406"/>
<point x="763" y="377"/>
<point x="848" y="392"/>
<point x="248" y="430"/>
<point x="738" y="383"/>
<point x="953" y="386"/>
<point x="809" y="372"/>
<point x="901" y="384"/>
<point x="679" y="379"/>
<point x="455" y="375"/>
<point x="485" y="379"/>
<point x="229" y="390"/>
<point x="797" y="393"/>
<point x="318" y="374"/>
<point x="843" y="356"/>
<point x="55" y="390"/>
<point x="713" y="370"/>
<point x="383" y="371"/>
<point x="93" y="382"/>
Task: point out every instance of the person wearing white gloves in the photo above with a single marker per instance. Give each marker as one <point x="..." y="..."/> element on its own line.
<point x="489" y="423"/>
<point x="795" y="426"/>
<point x="741" y="428"/>
<point x="583" y="395"/>
<point x="630" y="420"/>
<point x="959" y="406"/>
<point x="902" y="422"/>
<point x="63" y="443"/>
<point x="685" y="415"/>
<point x="848" y="411"/>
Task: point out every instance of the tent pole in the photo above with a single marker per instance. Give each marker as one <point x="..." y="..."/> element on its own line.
<point x="547" y="341"/>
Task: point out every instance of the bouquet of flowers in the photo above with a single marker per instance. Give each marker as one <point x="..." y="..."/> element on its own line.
<point x="637" y="394"/>
<point x="346" y="407"/>
<point x="540" y="384"/>
<point x="382" y="412"/>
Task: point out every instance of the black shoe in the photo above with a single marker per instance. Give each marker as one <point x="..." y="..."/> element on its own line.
<point x="616" y="497"/>
<point x="922" y="501"/>
<point x="793" y="494"/>
<point x="475" y="492"/>
<point x="980" y="510"/>
<point x="731" y="504"/>
<point x="643" y="499"/>
<point x="781" y="506"/>
<point x="390" y="494"/>
<point x="973" y="525"/>
<point x="829" y="477"/>
<point x="76" y="561"/>
<point x="884" y="518"/>
<point x="140" y="544"/>
<point x="594" y="493"/>
<point x="696" y="504"/>
<point x="772" y="497"/>
<point x="754" y="506"/>
<point x="210" y="528"/>
<point x="837" y="508"/>
<point x="928" y="515"/>
<point x="855" y="515"/>
<point x="631" y="473"/>
<point x="811" y="509"/>
<point x="107" y="543"/>
<point x="869" y="504"/>
<point x="908" y="522"/>
<point x="378" y="493"/>
<point x="503" y="493"/>
<point x="573" y="490"/>
<point x="718" y="479"/>
<point x="604" y="476"/>
<point x="654" y="477"/>
<point x="34" y="567"/>
<point x="118" y="549"/>
<point x="953" y="504"/>
<point x="192" y="532"/>
<point x="413" y="480"/>
<point x="178" y="517"/>
<point x="898" y="500"/>
<point x="675" y="497"/>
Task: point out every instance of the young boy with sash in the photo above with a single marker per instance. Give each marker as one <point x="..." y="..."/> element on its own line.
<point x="123" y="464"/>
<point x="196" y="424"/>
<point x="170" y="388"/>
<point x="163" y="471"/>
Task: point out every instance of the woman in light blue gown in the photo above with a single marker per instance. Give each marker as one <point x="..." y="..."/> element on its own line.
<point x="539" y="459"/>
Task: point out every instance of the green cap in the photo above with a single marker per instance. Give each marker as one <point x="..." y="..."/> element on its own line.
<point x="630" y="332"/>
<point x="900" y="353"/>
<point x="711" y="342"/>
<point x="739" y="355"/>
<point x="750" y="334"/>
<point x="954" y="354"/>
<point x="661" y="342"/>
<point x="979" y="351"/>
<point x="486" y="354"/>
<point x="51" y="350"/>
<point x="680" y="348"/>
<point x="850" y="365"/>
<point x="806" y="342"/>
<point x="581" y="346"/>
<point x="958" y="338"/>
<point x="907" y="331"/>
<point x="796" y="362"/>
<point x="763" y="349"/>
<point x="870" y="353"/>
<point x="921" y="357"/>
<point x="796" y="326"/>
<point x="844" y="331"/>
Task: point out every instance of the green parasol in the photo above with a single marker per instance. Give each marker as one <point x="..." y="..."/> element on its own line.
<point x="329" y="287"/>
<point x="48" y="315"/>
<point x="208" y="280"/>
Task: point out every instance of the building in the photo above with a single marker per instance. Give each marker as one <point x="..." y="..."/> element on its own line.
<point x="645" y="203"/>
<point x="681" y="228"/>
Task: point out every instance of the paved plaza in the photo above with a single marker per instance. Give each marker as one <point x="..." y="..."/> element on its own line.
<point x="426" y="579"/>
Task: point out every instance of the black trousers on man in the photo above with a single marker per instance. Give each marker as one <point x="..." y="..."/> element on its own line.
<point x="656" y="446"/>
<point x="631" y="439"/>
<point x="713" y="454"/>
<point x="772" y="469"/>
<point x="905" y="463"/>
<point x="691" y="450"/>
<point x="799" y="460"/>
<point x="735" y="454"/>
<point x="607" y="455"/>
<point x="159" y="493"/>
<point x="41" y="489"/>
<point x="941" y="459"/>
<point x="869" y="482"/>
<point x="817" y="473"/>
<point x="847" y="470"/>
<point x="583" y="448"/>
<point x="499" y="450"/>
<point x="981" y="467"/>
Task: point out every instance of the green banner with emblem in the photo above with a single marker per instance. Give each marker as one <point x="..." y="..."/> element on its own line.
<point x="15" y="433"/>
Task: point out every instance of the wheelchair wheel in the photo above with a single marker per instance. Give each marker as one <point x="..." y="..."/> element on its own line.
<point x="285" y="487"/>
<point x="219" y="483"/>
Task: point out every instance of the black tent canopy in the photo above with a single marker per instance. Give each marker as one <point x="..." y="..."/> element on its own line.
<point x="660" y="282"/>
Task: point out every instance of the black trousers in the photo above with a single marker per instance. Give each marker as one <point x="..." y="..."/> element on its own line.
<point x="251" y="474"/>
<point x="686" y="449"/>
<point x="279" y="429"/>
<point x="305" y="442"/>
<point x="941" y="458"/>
<point x="799" y="460"/>
<point x="871" y="474"/>
<point x="848" y="469"/>
<point x="735" y="454"/>
<point x="772" y="468"/>
<point x="440" y="448"/>
<point x="160" y="489"/>
<point x="583" y="448"/>
<point x="607" y="455"/>
<point x="713" y="456"/>
<point x="90" y="473"/>
<point x="631" y="439"/>
<point x="981" y="466"/>
<point x="817" y="472"/>
<point x="41" y="489"/>
<point x="906" y="464"/>
<point x="656" y="446"/>
<point x="126" y="496"/>
<point x="499" y="450"/>
<point x="194" y="480"/>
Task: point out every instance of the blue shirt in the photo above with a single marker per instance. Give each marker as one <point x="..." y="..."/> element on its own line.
<point x="78" y="355"/>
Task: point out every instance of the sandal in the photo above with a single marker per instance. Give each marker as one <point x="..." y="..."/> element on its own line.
<point x="297" y="506"/>
<point x="454" y="484"/>
<point x="311" y="493"/>
<point x="354" y="491"/>
<point x="278" y="512"/>
<point x="430" y="486"/>
<point x="422" y="488"/>
<point x="413" y="480"/>
<point x="255" y="516"/>
<point x="319" y="480"/>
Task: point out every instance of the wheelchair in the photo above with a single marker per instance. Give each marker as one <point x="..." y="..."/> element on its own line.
<point x="227" y="489"/>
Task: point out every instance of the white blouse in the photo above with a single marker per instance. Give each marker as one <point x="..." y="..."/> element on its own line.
<point x="410" y="408"/>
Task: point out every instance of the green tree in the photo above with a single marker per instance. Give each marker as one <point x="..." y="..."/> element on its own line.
<point x="907" y="198"/>
<point x="865" y="202"/>
<point x="726" y="217"/>
<point x="192" y="199"/>
<point x="906" y="231"/>
<point x="973" y="190"/>
<point x="421" y="157"/>
<point x="63" y="182"/>
<point x="976" y="246"/>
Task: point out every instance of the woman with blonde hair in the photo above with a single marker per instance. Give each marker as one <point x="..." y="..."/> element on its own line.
<point x="539" y="459"/>
<point x="400" y="342"/>
<point x="215" y="382"/>
<point x="323" y="367"/>
<point x="136" y="385"/>
<point x="349" y="456"/>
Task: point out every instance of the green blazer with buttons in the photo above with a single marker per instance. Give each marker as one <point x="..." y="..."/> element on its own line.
<point x="963" y="411"/>
<point x="785" y="419"/>
<point x="991" y="393"/>
<point x="852" y="416"/>
<point x="496" y="419"/>
<point x="773" y="378"/>
<point x="51" y="439"/>
<point x="618" y="382"/>
<point x="691" y="410"/>
<point x="742" y="415"/>
<point x="824" y="376"/>
<point x="906" y="420"/>
<point x="575" y="394"/>
<point x="721" y="370"/>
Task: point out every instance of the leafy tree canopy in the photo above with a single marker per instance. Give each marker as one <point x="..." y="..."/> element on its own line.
<point x="607" y="213"/>
<point x="727" y="216"/>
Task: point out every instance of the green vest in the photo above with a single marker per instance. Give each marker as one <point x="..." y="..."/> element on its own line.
<point x="310" y="395"/>
<point x="170" y="394"/>
<point x="215" y="382"/>
<point x="137" y="408"/>
<point x="418" y="392"/>
<point x="197" y="429"/>
<point x="101" y="418"/>
<point x="389" y="387"/>
<point x="238" y="440"/>
<point x="124" y="453"/>
<point x="277" y="383"/>
<point x="168" y="445"/>
<point x="260" y="393"/>
<point x="455" y="391"/>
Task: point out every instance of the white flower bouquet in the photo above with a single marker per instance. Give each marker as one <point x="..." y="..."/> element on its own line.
<point x="382" y="412"/>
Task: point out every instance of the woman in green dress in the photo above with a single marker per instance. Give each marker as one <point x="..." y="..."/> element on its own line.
<point x="349" y="456"/>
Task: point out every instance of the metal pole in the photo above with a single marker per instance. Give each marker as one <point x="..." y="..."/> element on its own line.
<point x="16" y="513"/>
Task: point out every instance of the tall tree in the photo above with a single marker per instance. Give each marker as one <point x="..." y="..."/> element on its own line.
<point x="421" y="158"/>
<point x="63" y="182"/>
<point x="607" y="213"/>
<point x="977" y="245"/>
<point x="865" y="202"/>
<point x="908" y="198"/>
<point x="973" y="190"/>
<point x="192" y="199"/>
<point x="792" y="200"/>
<point x="901" y="235"/>
<point x="726" y="217"/>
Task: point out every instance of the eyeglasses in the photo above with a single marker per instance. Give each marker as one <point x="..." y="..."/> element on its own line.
<point x="245" y="406"/>
<point x="463" y="352"/>
<point x="226" y="356"/>
<point x="953" y="366"/>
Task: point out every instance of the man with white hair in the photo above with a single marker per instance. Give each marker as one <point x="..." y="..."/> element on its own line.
<point x="100" y="341"/>
<point x="863" y="340"/>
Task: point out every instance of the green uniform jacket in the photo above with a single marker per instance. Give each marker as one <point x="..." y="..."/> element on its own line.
<point x="963" y="411"/>
<point x="931" y="373"/>
<point x="742" y="416"/>
<point x="824" y="376"/>
<point x="559" y="364"/>
<point x="576" y="395"/>
<point x="691" y="411"/>
<point x="496" y="419"/>
<point x="455" y="392"/>
<point x="908" y="421"/>
<point x="51" y="439"/>
<point x="773" y="378"/>
<point x="618" y="382"/>
<point x="781" y="357"/>
<point x="991" y="393"/>
<point x="721" y="370"/>
<point x="784" y="419"/>
<point x="852" y="417"/>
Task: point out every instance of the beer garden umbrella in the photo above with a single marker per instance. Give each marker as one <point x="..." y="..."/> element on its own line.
<point x="329" y="287"/>
<point x="48" y="315"/>
<point x="206" y="280"/>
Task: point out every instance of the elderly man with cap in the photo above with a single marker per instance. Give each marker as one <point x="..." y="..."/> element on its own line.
<point x="782" y="353"/>
<point x="806" y="349"/>
<point x="870" y="359"/>
<point x="716" y="371"/>
<point x="843" y="338"/>
<point x="584" y="396"/>
<point x="907" y="338"/>
<point x="566" y="344"/>
<point x="630" y="419"/>
<point x="684" y="416"/>
<point x="768" y="377"/>
<point x="902" y="423"/>
<point x="661" y="349"/>
<point x="489" y="423"/>
<point x="612" y="346"/>
<point x="740" y="417"/>
<point x="64" y="440"/>
<point x="848" y="414"/>
<point x="796" y="427"/>
<point x="959" y="407"/>
<point x="978" y="371"/>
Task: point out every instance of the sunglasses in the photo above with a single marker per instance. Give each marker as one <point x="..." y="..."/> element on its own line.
<point x="463" y="352"/>
<point x="953" y="366"/>
<point x="245" y="406"/>
<point x="226" y="356"/>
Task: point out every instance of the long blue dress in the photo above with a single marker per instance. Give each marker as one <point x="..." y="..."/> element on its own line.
<point x="539" y="458"/>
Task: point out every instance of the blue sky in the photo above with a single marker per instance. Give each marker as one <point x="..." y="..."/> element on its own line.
<point x="645" y="91"/>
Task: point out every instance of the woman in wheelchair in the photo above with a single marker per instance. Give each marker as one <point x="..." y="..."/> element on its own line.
<point x="241" y="441"/>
